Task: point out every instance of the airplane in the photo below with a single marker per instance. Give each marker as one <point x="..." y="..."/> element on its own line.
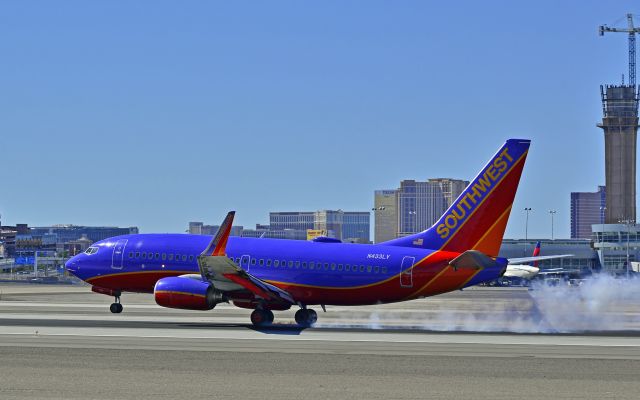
<point x="197" y="272"/>
<point x="525" y="271"/>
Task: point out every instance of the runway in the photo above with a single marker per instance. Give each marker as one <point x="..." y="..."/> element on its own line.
<point x="61" y="342"/>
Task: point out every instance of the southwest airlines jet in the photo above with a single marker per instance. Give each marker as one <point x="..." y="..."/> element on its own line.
<point x="197" y="272"/>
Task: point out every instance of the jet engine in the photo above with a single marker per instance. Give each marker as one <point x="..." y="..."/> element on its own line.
<point x="186" y="293"/>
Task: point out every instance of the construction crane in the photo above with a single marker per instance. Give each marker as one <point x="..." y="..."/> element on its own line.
<point x="632" y="44"/>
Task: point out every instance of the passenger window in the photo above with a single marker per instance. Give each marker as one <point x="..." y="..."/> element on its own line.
<point x="384" y="270"/>
<point x="290" y="264"/>
<point x="261" y="262"/>
<point x="137" y="254"/>
<point x="376" y="269"/>
<point x="276" y="263"/>
<point x="304" y="265"/>
<point x="298" y="265"/>
<point x="333" y="267"/>
<point x="362" y="268"/>
<point x="157" y="256"/>
<point x="164" y="256"/>
<point x="177" y="257"/>
<point x="312" y="265"/>
<point x="131" y="254"/>
<point x="326" y="266"/>
<point x="184" y="257"/>
<point x="191" y="257"/>
<point x="269" y="263"/>
<point x="368" y="268"/>
<point x="144" y="255"/>
<point x="253" y="261"/>
<point x="170" y="256"/>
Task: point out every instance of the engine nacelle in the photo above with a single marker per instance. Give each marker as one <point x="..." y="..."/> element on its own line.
<point x="186" y="293"/>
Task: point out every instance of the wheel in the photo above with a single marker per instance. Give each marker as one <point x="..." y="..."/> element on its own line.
<point x="270" y="316"/>
<point x="312" y="317"/>
<point x="114" y="308"/>
<point x="261" y="317"/>
<point x="119" y="308"/>
<point x="306" y="317"/>
<point x="301" y="316"/>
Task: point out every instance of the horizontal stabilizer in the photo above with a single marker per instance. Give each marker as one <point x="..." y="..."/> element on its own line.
<point x="473" y="259"/>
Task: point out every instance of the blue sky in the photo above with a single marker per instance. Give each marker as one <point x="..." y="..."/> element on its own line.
<point x="156" y="113"/>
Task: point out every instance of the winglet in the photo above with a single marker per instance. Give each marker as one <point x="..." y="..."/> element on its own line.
<point x="218" y="245"/>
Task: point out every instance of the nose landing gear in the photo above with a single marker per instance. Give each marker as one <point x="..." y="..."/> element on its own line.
<point x="116" y="307"/>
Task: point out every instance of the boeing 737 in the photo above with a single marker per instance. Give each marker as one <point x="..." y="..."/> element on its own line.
<point x="198" y="272"/>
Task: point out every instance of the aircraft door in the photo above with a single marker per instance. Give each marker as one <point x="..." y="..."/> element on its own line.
<point x="244" y="262"/>
<point x="406" y="272"/>
<point x="117" y="259"/>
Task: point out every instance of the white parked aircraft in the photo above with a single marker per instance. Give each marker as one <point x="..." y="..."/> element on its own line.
<point x="524" y="271"/>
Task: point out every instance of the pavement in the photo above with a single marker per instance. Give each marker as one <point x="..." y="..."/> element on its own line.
<point x="61" y="342"/>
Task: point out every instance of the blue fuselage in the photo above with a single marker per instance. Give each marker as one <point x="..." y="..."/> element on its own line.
<point x="314" y="272"/>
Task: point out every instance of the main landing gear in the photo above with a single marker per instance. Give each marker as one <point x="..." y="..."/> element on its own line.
<point x="306" y="317"/>
<point x="116" y="307"/>
<point x="261" y="317"/>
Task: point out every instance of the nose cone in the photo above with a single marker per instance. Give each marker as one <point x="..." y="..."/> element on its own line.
<point x="72" y="264"/>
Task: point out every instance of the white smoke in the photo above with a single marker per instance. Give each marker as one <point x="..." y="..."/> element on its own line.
<point x="601" y="303"/>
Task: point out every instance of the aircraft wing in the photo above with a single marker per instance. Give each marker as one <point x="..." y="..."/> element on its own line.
<point x="228" y="277"/>
<point x="523" y="260"/>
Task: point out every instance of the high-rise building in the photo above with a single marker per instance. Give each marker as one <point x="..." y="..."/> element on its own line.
<point x="420" y="204"/>
<point x="587" y="208"/>
<point x="620" y="125"/>
<point x="300" y="220"/>
<point x="356" y="226"/>
<point x="344" y="225"/>
<point x="386" y="215"/>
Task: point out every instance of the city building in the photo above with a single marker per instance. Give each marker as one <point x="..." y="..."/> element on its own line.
<point x="199" y="228"/>
<point x="587" y="208"/>
<point x="351" y="226"/>
<point x="356" y="227"/>
<point x="263" y="231"/>
<point x="420" y="204"/>
<point x="300" y="220"/>
<point x="386" y="215"/>
<point x="67" y="233"/>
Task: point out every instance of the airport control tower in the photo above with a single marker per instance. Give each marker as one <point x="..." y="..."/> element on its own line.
<point x="620" y="125"/>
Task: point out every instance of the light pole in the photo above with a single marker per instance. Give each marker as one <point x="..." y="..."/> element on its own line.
<point x="552" y="213"/>
<point x="526" y="229"/>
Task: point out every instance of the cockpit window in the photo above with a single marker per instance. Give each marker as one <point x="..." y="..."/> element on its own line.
<point x="91" y="250"/>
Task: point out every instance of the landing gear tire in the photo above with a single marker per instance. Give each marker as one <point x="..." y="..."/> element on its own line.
<point x="306" y="317"/>
<point x="270" y="316"/>
<point x="261" y="317"/>
<point x="116" y="308"/>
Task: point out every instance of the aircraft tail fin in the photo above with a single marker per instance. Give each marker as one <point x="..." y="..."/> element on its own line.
<point x="536" y="253"/>
<point x="478" y="218"/>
